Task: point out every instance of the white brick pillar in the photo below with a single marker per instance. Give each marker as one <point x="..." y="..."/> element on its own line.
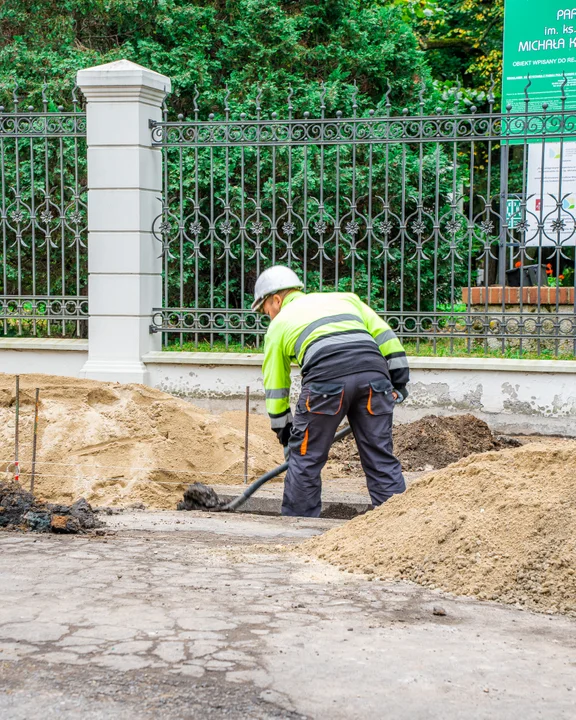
<point x="124" y="187"/>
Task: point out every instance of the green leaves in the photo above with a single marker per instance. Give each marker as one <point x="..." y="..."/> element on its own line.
<point x="243" y="43"/>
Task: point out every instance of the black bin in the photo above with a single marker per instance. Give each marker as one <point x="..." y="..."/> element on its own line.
<point x="530" y="278"/>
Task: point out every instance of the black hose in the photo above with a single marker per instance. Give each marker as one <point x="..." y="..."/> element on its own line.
<point x="251" y="489"/>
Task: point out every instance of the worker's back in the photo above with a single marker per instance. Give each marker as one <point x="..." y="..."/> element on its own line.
<point x="330" y="334"/>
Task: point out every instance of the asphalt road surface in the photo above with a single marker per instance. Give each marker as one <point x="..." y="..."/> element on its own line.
<point x="188" y="615"/>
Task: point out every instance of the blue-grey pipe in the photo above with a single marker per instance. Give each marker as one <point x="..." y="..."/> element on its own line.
<point x="251" y="489"/>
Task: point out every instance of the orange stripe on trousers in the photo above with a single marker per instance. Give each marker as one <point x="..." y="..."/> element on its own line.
<point x="304" y="446"/>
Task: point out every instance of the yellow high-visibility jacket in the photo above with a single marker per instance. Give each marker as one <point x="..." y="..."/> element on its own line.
<point x="328" y="335"/>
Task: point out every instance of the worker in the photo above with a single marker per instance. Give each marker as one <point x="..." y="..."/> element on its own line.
<point x="352" y="364"/>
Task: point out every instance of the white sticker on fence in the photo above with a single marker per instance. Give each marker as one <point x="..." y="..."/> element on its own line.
<point x="551" y="197"/>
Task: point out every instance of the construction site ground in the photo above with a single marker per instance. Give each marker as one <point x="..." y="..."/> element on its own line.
<point x="191" y="615"/>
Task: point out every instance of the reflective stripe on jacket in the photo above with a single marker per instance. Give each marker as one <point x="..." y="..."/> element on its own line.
<point x="306" y="326"/>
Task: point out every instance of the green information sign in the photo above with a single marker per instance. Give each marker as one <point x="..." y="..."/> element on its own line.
<point x="513" y="212"/>
<point x="540" y="45"/>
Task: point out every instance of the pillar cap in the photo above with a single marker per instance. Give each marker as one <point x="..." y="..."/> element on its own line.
<point x="122" y="81"/>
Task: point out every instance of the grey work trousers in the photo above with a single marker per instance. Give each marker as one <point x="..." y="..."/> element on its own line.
<point x="366" y="399"/>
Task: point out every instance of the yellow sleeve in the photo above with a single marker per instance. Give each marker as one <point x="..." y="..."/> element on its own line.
<point x="276" y="375"/>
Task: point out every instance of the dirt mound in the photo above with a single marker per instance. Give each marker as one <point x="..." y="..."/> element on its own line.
<point x="199" y="497"/>
<point x="119" y="444"/>
<point x="435" y="442"/>
<point x="427" y="444"/>
<point x="20" y="509"/>
<point x="499" y="526"/>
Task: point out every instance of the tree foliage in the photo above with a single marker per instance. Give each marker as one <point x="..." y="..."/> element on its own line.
<point x="462" y="40"/>
<point x="210" y="43"/>
<point x="344" y="51"/>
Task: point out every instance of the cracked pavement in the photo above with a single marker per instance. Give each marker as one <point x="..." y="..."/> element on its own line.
<point x="191" y="615"/>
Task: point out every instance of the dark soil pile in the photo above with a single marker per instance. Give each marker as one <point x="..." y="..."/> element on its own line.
<point x="199" y="497"/>
<point x="435" y="442"/>
<point x="20" y="509"/>
<point x="431" y="443"/>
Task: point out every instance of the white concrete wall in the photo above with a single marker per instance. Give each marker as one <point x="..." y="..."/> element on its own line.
<point x="50" y="356"/>
<point x="510" y="401"/>
<point x="511" y="396"/>
<point x="519" y="397"/>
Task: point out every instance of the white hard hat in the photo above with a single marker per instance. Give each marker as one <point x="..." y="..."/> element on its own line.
<point x="272" y="281"/>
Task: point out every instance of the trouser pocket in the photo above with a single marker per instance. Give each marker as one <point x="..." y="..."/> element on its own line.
<point x="380" y="400"/>
<point x="298" y="442"/>
<point x="323" y="398"/>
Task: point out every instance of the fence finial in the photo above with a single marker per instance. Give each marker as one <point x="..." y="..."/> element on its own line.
<point x="290" y="96"/>
<point x="354" y="96"/>
<point x="323" y="97"/>
<point x="44" y="95"/>
<point x="562" y="88"/>
<point x="226" y="98"/>
<point x="457" y="96"/>
<point x="421" y="97"/>
<point x="164" y="106"/>
<point x="195" y="101"/>
<point x="257" y="102"/>
<point x="491" y="97"/>
<point x="15" y="97"/>
<point x="526" y="95"/>
<point x="387" y="97"/>
<point x="75" y="97"/>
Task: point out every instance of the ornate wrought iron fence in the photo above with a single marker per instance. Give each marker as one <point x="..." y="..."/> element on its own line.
<point x="426" y="217"/>
<point x="43" y="289"/>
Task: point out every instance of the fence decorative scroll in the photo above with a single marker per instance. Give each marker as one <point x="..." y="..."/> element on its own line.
<point x="458" y="223"/>
<point x="412" y="212"/>
<point x="43" y="219"/>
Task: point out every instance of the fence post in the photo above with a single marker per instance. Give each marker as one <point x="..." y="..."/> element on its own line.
<point x="124" y="187"/>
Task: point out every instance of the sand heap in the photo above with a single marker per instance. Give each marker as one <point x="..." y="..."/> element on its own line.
<point x="499" y="526"/>
<point x="430" y="443"/>
<point x="120" y="444"/>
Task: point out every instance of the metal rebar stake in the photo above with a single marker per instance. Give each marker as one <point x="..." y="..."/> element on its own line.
<point x="246" y="426"/>
<point x="34" y="441"/>
<point x="16" y="431"/>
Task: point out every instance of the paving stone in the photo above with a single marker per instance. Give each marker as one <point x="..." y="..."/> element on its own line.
<point x="171" y="652"/>
<point x="63" y="657"/>
<point x="190" y="670"/>
<point x="33" y="631"/>
<point x="122" y="662"/>
<point x="218" y="665"/>
<point x="84" y="649"/>
<point x="110" y="633"/>
<point x="201" y="648"/>
<point x="131" y="647"/>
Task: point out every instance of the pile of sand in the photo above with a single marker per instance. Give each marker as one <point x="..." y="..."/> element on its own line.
<point x="120" y="444"/>
<point x="430" y="443"/>
<point x="499" y="526"/>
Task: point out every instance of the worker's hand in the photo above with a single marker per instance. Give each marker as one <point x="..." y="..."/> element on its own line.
<point x="283" y="434"/>
<point x="400" y="394"/>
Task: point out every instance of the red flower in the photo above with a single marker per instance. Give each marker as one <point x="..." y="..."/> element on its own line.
<point x="549" y="266"/>
<point x="518" y="264"/>
<point x="560" y="277"/>
<point x="549" y="271"/>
